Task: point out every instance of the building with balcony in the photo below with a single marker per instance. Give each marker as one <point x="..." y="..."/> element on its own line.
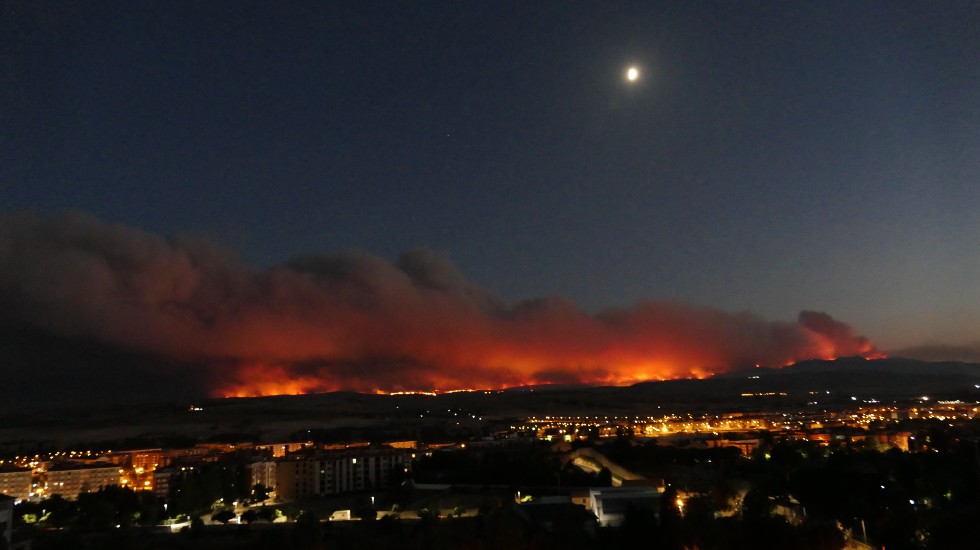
<point x="326" y="473"/>
<point x="262" y="473"/>
<point x="163" y="479"/>
<point x="71" y="480"/>
<point x="280" y="450"/>
<point x="15" y="482"/>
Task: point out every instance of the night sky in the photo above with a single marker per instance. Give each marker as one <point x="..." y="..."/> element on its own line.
<point x="772" y="157"/>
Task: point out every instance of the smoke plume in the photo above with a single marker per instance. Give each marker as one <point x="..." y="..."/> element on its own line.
<point x="356" y="321"/>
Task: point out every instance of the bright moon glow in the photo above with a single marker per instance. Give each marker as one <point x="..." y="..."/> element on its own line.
<point x="632" y="74"/>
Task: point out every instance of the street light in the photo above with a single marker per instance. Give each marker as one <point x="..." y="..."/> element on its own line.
<point x="864" y="532"/>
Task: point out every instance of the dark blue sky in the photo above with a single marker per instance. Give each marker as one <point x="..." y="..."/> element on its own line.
<point x="773" y="156"/>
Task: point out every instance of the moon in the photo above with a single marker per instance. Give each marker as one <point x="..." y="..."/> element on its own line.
<point x="632" y="74"/>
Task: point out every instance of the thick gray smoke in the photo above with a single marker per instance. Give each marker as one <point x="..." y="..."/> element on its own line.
<point x="357" y="321"/>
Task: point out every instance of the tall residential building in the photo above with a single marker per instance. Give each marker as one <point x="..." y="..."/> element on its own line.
<point x="326" y="473"/>
<point x="280" y="450"/>
<point x="262" y="473"/>
<point x="70" y="480"/>
<point x="145" y="460"/>
<point x="15" y="482"/>
<point x="163" y="479"/>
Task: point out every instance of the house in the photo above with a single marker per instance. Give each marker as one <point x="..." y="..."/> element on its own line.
<point x="610" y="504"/>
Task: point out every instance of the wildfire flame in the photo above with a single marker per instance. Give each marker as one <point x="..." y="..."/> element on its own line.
<point x="357" y="322"/>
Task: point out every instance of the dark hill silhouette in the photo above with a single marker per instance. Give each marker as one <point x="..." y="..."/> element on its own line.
<point x="892" y="378"/>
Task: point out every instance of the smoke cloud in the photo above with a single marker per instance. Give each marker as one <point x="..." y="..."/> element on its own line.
<point x="356" y="321"/>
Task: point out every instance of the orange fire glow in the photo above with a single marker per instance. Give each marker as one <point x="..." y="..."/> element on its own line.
<point x="355" y="321"/>
<point x="260" y="379"/>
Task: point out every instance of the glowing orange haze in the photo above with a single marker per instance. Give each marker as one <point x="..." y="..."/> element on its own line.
<point x="358" y="322"/>
<point x="255" y="380"/>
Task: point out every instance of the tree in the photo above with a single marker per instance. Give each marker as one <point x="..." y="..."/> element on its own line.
<point x="150" y="508"/>
<point x="756" y="505"/>
<point x="365" y="512"/>
<point x="224" y="516"/>
<point x="260" y="493"/>
<point x="670" y="518"/>
<point x="108" y="507"/>
<point x="307" y="533"/>
<point x="26" y="513"/>
<point x="197" y="488"/>
<point x="388" y="525"/>
<point x="197" y="527"/>
<point x="604" y="478"/>
<point x="639" y="525"/>
<point x="58" y="512"/>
